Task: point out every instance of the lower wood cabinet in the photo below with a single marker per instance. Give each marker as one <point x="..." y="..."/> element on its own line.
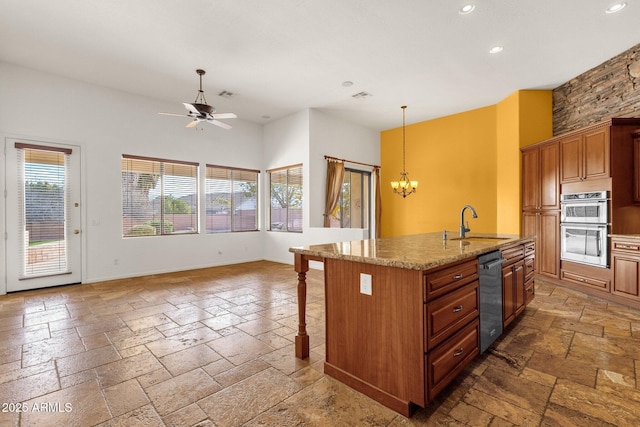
<point x="517" y="280"/>
<point x="625" y="260"/>
<point x="446" y="361"/>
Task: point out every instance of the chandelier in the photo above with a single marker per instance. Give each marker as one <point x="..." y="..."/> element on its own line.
<point x="404" y="186"/>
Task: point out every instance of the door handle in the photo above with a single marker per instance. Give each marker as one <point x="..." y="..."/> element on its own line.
<point x="76" y="231"/>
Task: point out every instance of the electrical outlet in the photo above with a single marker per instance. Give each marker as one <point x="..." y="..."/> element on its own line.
<point x="365" y="284"/>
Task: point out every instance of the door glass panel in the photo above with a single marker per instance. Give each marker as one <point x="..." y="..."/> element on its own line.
<point x="42" y="204"/>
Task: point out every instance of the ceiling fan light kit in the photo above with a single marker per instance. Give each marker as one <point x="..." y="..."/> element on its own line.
<point x="200" y="111"/>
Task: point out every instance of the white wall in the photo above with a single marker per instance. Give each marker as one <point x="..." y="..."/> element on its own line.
<point x="305" y="137"/>
<point x="106" y="124"/>
<point x="37" y="106"/>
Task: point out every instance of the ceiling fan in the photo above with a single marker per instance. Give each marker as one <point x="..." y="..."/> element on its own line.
<point x="200" y="111"/>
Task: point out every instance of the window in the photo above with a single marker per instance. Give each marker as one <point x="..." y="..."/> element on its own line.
<point x="353" y="208"/>
<point x="159" y="197"/>
<point x="231" y="197"/>
<point x="286" y="199"/>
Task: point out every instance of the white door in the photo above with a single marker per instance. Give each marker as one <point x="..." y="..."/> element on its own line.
<point x="43" y="241"/>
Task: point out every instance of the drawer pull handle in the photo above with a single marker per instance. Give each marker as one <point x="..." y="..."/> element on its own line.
<point x="635" y="248"/>
<point x="457" y="309"/>
<point x="530" y="291"/>
<point x="458" y="352"/>
<point x="517" y="268"/>
<point x="457" y="277"/>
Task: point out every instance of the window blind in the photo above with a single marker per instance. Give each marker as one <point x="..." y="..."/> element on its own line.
<point x="42" y="202"/>
<point x="159" y="197"/>
<point x="231" y="199"/>
<point x="286" y="211"/>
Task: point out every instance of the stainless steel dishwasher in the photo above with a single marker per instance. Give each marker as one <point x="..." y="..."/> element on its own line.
<point x="490" y="298"/>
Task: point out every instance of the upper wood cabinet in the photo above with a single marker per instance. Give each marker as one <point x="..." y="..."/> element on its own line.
<point x="540" y="177"/>
<point x="585" y="155"/>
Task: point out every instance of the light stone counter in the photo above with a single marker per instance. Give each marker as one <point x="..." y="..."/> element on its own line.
<point x="415" y="252"/>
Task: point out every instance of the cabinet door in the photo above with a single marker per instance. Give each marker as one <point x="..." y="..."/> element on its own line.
<point x="596" y="154"/>
<point x="626" y="275"/>
<point x="549" y="176"/>
<point x="571" y="159"/>
<point x="518" y="286"/>
<point x="508" y="298"/>
<point x="548" y="248"/>
<point x="530" y="179"/>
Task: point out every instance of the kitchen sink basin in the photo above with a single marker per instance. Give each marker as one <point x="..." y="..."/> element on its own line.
<point x="480" y="239"/>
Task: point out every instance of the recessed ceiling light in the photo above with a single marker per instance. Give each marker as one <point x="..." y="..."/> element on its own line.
<point x="347" y="83"/>
<point x="617" y="7"/>
<point x="266" y="117"/>
<point x="496" y="49"/>
<point x="467" y="8"/>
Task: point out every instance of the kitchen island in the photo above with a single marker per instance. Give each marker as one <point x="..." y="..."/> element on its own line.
<point x="402" y="313"/>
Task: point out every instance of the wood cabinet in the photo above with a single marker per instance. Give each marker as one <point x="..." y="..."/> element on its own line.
<point x="540" y="177"/>
<point x="545" y="225"/>
<point x="452" y="325"/>
<point x="513" y="283"/>
<point x="403" y="343"/>
<point x="625" y="256"/>
<point x="585" y="155"/>
<point x="541" y="204"/>
<point x="603" y="156"/>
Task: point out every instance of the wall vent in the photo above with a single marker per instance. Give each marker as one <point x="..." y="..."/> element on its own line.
<point x="361" y="95"/>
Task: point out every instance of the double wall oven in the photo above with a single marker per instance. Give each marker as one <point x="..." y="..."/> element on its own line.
<point x="584" y="228"/>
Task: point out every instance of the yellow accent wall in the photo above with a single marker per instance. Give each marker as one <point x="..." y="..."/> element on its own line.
<point x="471" y="158"/>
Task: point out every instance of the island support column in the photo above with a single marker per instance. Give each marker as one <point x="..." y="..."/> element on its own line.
<point x="302" y="339"/>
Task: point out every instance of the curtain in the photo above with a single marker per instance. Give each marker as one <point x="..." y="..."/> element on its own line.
<point x="378" y="203"/>
<point x="335" y="176"/>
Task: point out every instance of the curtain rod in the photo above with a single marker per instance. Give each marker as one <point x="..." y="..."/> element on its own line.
<point x="351" y="161"/>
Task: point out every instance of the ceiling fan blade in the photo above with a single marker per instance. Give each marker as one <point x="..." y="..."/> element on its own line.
<point x="191" y="108"/>
<point x="173" y="114"/>
<point x="192" y="123"/>
<point x="224" y="116"/>
<point x="219" y="123"/>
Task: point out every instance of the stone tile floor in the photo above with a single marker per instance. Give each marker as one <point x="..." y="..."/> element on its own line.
<point x="215" y="347"/>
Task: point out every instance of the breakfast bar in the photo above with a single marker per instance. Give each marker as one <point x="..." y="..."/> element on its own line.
<point x="403" y="313"/>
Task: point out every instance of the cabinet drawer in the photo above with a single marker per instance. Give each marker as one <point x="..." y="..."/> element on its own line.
<point x="446" y="361"/>
<point x="529" y="249"/>
<point x="449" y="313"/>
<point x="529" y="292"/>
<point x="625" y="246"/>
<point x="585" y="280"/>
<point x="512" y="254"/>
<point x="529" y="267"/>
<point x="439" y="282"/>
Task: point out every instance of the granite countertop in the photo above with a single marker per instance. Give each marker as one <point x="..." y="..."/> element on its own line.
<point x="626" y="236"/>
<point x="415" y="252"/>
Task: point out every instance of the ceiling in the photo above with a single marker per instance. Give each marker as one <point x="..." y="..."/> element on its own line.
<point x="282" y="56"/>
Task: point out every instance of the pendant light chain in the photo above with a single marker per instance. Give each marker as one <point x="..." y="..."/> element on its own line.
<point x="404" y="186"/>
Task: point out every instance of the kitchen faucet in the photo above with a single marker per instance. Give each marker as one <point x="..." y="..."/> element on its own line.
<point x="463" y="229"/>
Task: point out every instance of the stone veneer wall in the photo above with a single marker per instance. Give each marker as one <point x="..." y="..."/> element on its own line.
<point x="612" y="89"/>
